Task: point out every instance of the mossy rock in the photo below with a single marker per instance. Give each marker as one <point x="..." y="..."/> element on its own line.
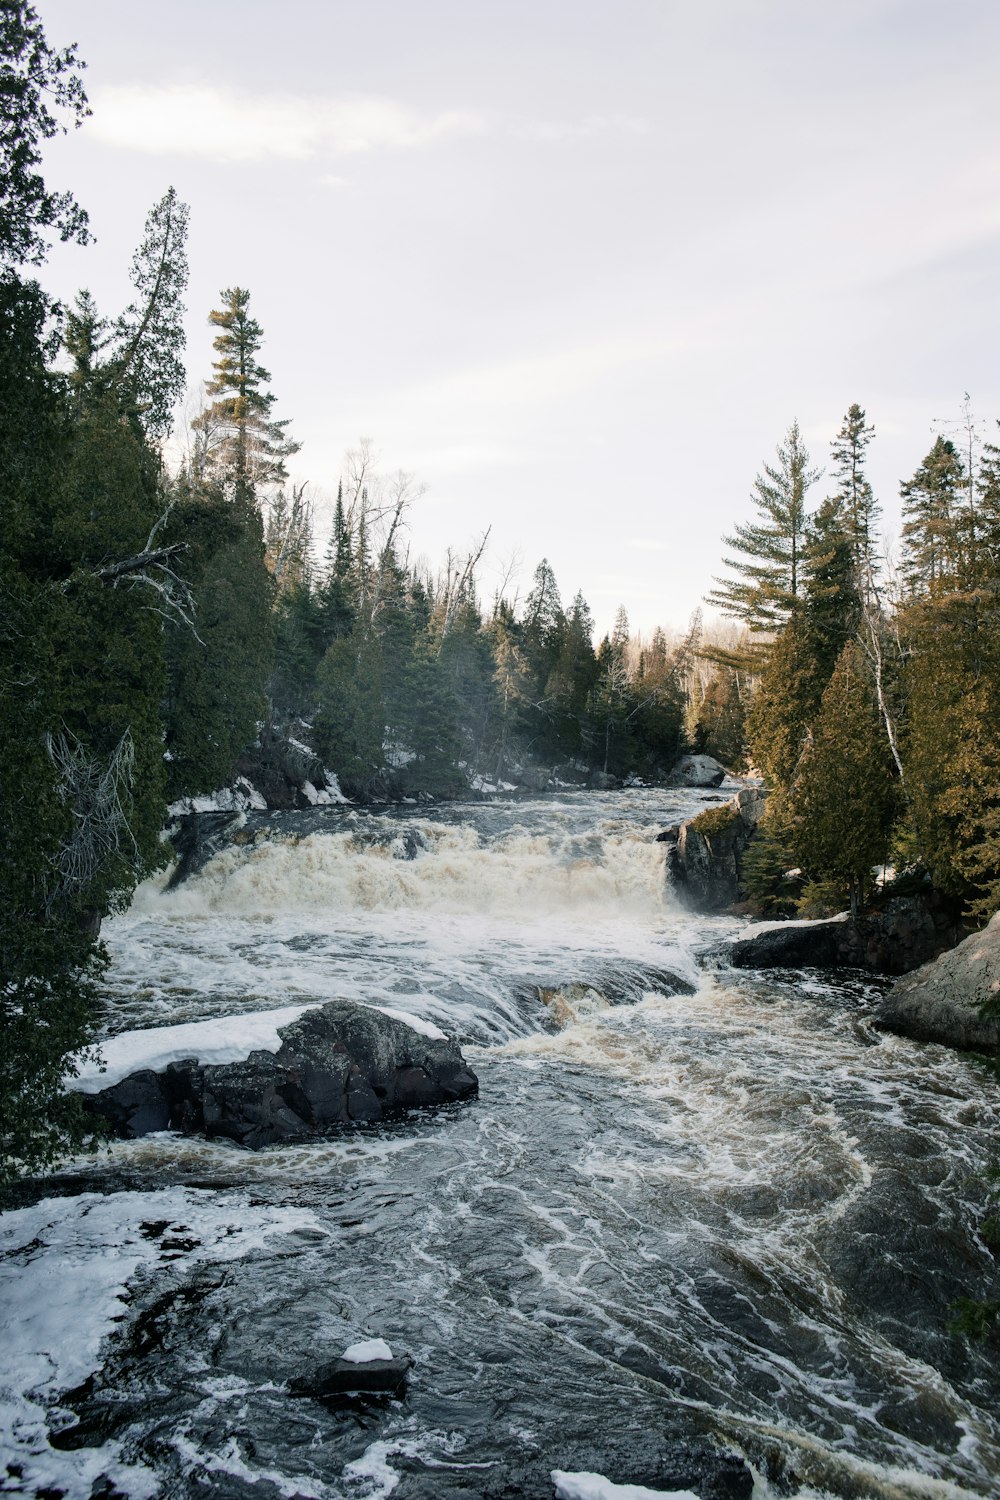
<point x="715" y="820"/>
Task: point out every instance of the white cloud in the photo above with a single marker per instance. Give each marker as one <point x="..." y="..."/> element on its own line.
<point x="197" y="119"/>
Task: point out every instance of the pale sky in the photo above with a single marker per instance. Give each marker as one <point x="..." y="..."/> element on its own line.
<point x="575" y="265"/>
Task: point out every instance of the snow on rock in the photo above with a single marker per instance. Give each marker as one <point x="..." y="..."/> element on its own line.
<point x="360" y="1354"/>
<point x="596" y="1487"/>
<point x="223" y="1039"/>
<point x="65" y="1271"/>
<point x="415" y="1023"/>
<point x="240" y="797"/>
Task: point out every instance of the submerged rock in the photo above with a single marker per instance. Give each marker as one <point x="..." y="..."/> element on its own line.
<point x="943" y="1001"/>
<point x="706" y="860"/>
<point x="896" y="938"/>
<point x="338" y="1064"/>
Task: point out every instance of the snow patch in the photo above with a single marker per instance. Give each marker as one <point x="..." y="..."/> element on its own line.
<point x="596" y="1487"/>
<point x="224" y="1039"/>
<point x="415" y="1023"/>
<point x="360" y="1354"/>
<point x="242" y="796"/>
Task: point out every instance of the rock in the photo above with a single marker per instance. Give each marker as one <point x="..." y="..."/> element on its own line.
<point x="340" y="1064"/>
<point x="706" y="862"/>
<point x="344" y="1377"/>
<point x="943" y="1000"/>
<point x="282" y="768"/>
<point x="895" y="938"/>
<point x="697" y="770"/>
<point x="603" y="781"/>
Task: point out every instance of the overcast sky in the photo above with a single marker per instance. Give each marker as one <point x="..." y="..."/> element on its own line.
<point x="576" y="265"/>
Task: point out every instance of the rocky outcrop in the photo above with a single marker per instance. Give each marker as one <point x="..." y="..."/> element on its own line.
<point x="339" y="1064"/>
<point x="283" y="769"/>
<point x="697" y="770"/>
<point x="706" y="862"/>
<point x="894" y="939"/>
<point x="943" y="1001"/>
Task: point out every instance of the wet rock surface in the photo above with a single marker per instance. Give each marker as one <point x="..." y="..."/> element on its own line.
<point x="705" y="862"/>
<point x="898" y="937"/>
<point x="340" y="1064"/>
<point x="943" y="1001"/>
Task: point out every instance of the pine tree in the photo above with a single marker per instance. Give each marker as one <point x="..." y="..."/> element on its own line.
<point x="768" y="564"/>
<point x="245" y="446"/>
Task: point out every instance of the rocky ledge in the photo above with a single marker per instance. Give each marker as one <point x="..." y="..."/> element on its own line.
<point x="954" y="1000"/>
<point x="892" y="940"/>
<point x="338" y="1064"/>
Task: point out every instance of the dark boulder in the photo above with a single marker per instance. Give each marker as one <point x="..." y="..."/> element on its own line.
<point x="345" y="1377"/>
<point x="339" y="1064"/>
<point x="893" y="939"/>
<point x="706" y="861"/>
<point x="944" y="1001"/>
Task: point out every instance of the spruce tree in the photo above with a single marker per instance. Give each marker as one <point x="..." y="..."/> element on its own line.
<point x="149" y="363"/>
<point x="861" y="511"/>
<point x="932" y="521"/>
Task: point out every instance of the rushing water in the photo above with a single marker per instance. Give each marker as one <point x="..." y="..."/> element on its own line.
<point x="688" y="1203"/>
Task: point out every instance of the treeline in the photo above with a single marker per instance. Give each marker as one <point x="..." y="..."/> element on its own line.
<point x="875" y="712"/>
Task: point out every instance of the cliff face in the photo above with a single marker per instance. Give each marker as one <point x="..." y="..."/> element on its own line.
<point x="706" y="863"/>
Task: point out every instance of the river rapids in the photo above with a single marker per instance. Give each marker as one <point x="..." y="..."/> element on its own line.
<point x="690" y="1205"/>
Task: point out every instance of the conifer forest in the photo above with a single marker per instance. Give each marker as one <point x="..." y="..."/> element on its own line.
<point x="178" y="620"/>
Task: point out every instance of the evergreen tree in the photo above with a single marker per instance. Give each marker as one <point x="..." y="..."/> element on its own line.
<point x="844" y="802"/>
<point x="931" y="521"/>
<point x="245" y="446"/>
<point x="768" y="564"/>
<point x="35" y="81"/>
<point x="860" y="509"/>
<point x="149" y="363"/>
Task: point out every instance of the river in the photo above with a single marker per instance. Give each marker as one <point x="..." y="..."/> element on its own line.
<point x="689" y="1203"/>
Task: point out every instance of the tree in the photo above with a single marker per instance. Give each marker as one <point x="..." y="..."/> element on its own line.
<point x="860" y="508"/>
<point x="845" y="800"/>
<point x="244" y="445"/>
<point x="34" y="81"/>
<point x="150" y="332"/>
<point x="768" y="564"/>
<point x="931" y="523"/>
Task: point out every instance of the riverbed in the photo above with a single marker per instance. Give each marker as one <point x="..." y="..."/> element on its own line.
<point x="690" y="1205"/>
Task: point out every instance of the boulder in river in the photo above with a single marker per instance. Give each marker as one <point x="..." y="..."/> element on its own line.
<point x="706" y="861"/>
<point x="697" y="770"/>
<point x="893" y="939"/>
<point x="943" y="1001"/>
<point x="338" y="1064"/>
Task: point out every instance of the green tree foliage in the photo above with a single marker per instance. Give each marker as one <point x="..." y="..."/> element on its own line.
<point x="931" y="522"/>
<point x="243" y="445"/>
<point x="149" y="334"/>
<point x="39" y="88"/>
<point x="860" y="509"/>
<point x="844" y="800"/>
<point x="768" y="563"/>
<point x="217" y="672"/>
